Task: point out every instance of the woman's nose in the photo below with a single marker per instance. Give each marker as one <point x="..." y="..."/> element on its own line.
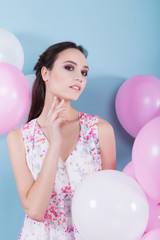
<point x="78" y="79"/>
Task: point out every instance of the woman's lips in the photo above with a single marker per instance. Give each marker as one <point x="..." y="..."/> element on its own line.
<point x="76" y="87"/>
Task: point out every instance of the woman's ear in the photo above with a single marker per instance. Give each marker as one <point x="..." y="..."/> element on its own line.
<point x="44" y="73"/>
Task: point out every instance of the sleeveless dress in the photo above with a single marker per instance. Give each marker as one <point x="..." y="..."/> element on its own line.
<point x="82" y="162"/>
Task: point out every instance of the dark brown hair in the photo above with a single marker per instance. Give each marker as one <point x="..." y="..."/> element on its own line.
<point x="47" y="59"/>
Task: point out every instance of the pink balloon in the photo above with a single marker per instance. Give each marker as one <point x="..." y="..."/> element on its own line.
<point x="154" y="206"/>
<point x="129" y="170"/>
<point x="154" y="215"/>
<point x="14" y="97"/>
<point x="152" y="235"/>
<point x="146" y="158"/>
<point x="137" y="102"/>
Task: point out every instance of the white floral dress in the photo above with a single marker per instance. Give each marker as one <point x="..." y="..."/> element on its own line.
<point x="82" y="162"/>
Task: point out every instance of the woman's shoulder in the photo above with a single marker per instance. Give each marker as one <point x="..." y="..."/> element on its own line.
<point x="14" y="135"/>
<point x="17" y="134"/>
<point x="104" y="123"/>
<point x="105" y="128"/>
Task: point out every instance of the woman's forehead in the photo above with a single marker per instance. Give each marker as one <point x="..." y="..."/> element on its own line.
<point x="72" y="54"/>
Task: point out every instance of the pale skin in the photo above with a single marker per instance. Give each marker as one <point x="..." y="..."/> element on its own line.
<point x="60" y="124"/>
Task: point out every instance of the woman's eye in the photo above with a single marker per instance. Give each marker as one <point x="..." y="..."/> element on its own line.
<point x="84" y="73"/>
<point x="70" y="68"/>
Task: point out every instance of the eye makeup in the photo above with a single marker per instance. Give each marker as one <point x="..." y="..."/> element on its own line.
<point x="70" y="67"/>
<point x="84" y="73"/>
<point x="69" y="61"/>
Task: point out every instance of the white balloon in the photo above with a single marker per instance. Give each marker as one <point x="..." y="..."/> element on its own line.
<point x="11" y="50"/>
<point x="31" y="78"/>
<point x="24" y="120"/>
<point x="110" y="205"/>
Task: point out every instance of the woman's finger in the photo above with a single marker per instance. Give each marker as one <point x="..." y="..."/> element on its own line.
<point x="56" y="112"/>
<point x="60" y="120"/>
<point x="60" y="104"/>
<point x="52" y="106"/>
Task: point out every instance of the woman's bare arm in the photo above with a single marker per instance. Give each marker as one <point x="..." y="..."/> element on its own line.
<point x="107" y="145"/>
<point x="35" y="195"/>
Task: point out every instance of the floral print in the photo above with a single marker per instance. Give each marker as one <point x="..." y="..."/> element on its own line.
<point x="82" y="162"/>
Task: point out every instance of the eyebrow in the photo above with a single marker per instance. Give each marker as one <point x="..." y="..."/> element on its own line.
<point x="75" y="63"/>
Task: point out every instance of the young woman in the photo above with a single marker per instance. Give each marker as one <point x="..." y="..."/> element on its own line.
<point x="58" y="147"/>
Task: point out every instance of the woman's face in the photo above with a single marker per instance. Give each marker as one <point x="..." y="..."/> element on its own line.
<point x="67" y="79"/>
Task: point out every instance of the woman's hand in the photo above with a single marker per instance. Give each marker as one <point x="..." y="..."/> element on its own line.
<point x="52" y="125"/>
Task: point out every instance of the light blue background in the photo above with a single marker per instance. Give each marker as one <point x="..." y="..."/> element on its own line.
<point x="123" y="40"/>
